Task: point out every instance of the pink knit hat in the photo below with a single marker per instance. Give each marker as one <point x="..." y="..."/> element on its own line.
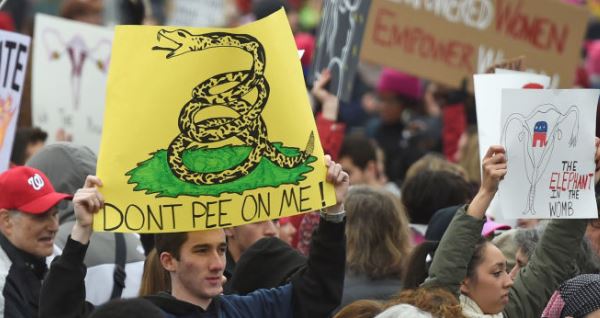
<point x="392" y="81"/>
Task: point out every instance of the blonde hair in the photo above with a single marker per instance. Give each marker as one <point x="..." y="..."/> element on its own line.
<point x="469" y="156"/>
<point x="377" y="233"/>
<point x="433" y="162"/>
<point x="155" y="278"/>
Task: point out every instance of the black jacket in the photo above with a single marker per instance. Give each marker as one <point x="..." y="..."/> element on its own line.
<point x="22" y="283"/>
<point x="314" y="292"/>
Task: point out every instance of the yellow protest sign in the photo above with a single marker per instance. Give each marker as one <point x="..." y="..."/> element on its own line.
<point x="207" y="128"/>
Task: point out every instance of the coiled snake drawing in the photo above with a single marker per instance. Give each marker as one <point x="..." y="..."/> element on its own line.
<point x="248" y="127"/>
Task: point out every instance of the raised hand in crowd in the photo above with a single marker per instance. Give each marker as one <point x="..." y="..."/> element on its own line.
<point x="329" y="102"/>
<point x="87" y="201"/>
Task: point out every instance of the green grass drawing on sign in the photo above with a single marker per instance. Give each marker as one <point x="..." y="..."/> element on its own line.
<point x="155" y="177"/>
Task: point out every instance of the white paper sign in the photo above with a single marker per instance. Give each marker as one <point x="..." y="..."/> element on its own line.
<point x="14" y="50"/>
<point x="70" y="65"/>
<point x="488" y="95"/>
<point x="198" y="13"/>
<point x="549" y="140"/>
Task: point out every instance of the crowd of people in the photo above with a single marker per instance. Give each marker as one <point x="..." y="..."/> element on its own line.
<point x="408" y="237"/>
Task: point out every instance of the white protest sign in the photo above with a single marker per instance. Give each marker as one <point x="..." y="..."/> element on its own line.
<point x="488" y="102"/>
<point x="195" y="13"/>
<point x="549" y="141"/>
<point x="70" y="64"/>
<point x="14" y="50"/>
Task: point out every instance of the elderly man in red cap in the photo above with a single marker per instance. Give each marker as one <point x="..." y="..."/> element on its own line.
<point x="28" y="224"/>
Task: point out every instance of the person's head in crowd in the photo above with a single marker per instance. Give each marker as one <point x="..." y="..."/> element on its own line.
<point x="526" y="240"/>
<point x="195" y="262"/>
<point x="506" y="242"/>
<point x="396" y="92"/>
<point x="358" y="156"/>
<point x="66" y="165"/>
<point x="527" y="223"/>
<point x="28" y="212"/>
<point x="436" y="301"/>
<point x="240" y="238"/>
<point x="487" y="282"/>
<point x="133" y="12"/>
<point x="268" y="263"/>
<point x="286" y="230"/>
<point x="378" y="236"/>
<point x="429" y="191"/>
<point x="433" y="162"/>
<point x="361" y="309"/>
<point x="88" y="11"/>
<point x="155" y="278"/>
<point x="28" y="141"/>
<point x="578" y="297"/>
<point x="467" y="155"/>
<point x="417" y="266"/>
<point x="130" y="308"/>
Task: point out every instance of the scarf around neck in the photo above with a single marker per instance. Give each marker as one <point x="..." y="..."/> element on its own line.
<point x="470" y="309"/>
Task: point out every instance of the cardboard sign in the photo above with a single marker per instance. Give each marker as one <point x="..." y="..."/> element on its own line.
<point x="447" y="41"/>
<point x="218" y="132"/>
<point x="14" y="50"/>
<point x="338" y="44"/>
<point x="194" y="13"/>
<point x="549" y="141"/>
<point x="70" y="66"/>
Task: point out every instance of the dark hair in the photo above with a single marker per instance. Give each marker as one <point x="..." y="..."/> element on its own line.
<point x="24" y="137"/>
<point x="429" y="191"/>
<point x="477" y="257"/>
<point x="417" y="266"/>
<point x="360" y="149"/>
<point x="170" y="243"/>
<point x="131" y="308"/>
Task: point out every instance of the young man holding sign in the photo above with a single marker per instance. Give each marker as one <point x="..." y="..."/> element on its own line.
<point x="196" y="261"/>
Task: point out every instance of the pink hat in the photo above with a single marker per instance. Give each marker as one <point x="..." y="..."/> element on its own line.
<point x="490" y="227"/>
<point x="392" y="81"/>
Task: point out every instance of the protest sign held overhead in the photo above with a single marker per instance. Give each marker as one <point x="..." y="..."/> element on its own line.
<point x="440" y="42"/>
<point x="338" y="43"/>
<point x="208" y="128"/>
<point x="74" y="57"/>
<point x="196" y="13"/>
<point x="14" y="52"/>
<point x="549" y="141"/>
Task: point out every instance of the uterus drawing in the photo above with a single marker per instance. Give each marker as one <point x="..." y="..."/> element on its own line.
<point x="538" y="134"/>
<point x="78" y="53"/>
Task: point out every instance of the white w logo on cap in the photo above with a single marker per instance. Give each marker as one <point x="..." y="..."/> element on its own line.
<point x="36" y="182"/>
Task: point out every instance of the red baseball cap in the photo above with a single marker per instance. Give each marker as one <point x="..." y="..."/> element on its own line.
<point x="28" y="190"/>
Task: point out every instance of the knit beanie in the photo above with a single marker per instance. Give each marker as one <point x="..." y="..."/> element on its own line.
<point x="581" y="295"/>
<point x="400" y="84"/>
